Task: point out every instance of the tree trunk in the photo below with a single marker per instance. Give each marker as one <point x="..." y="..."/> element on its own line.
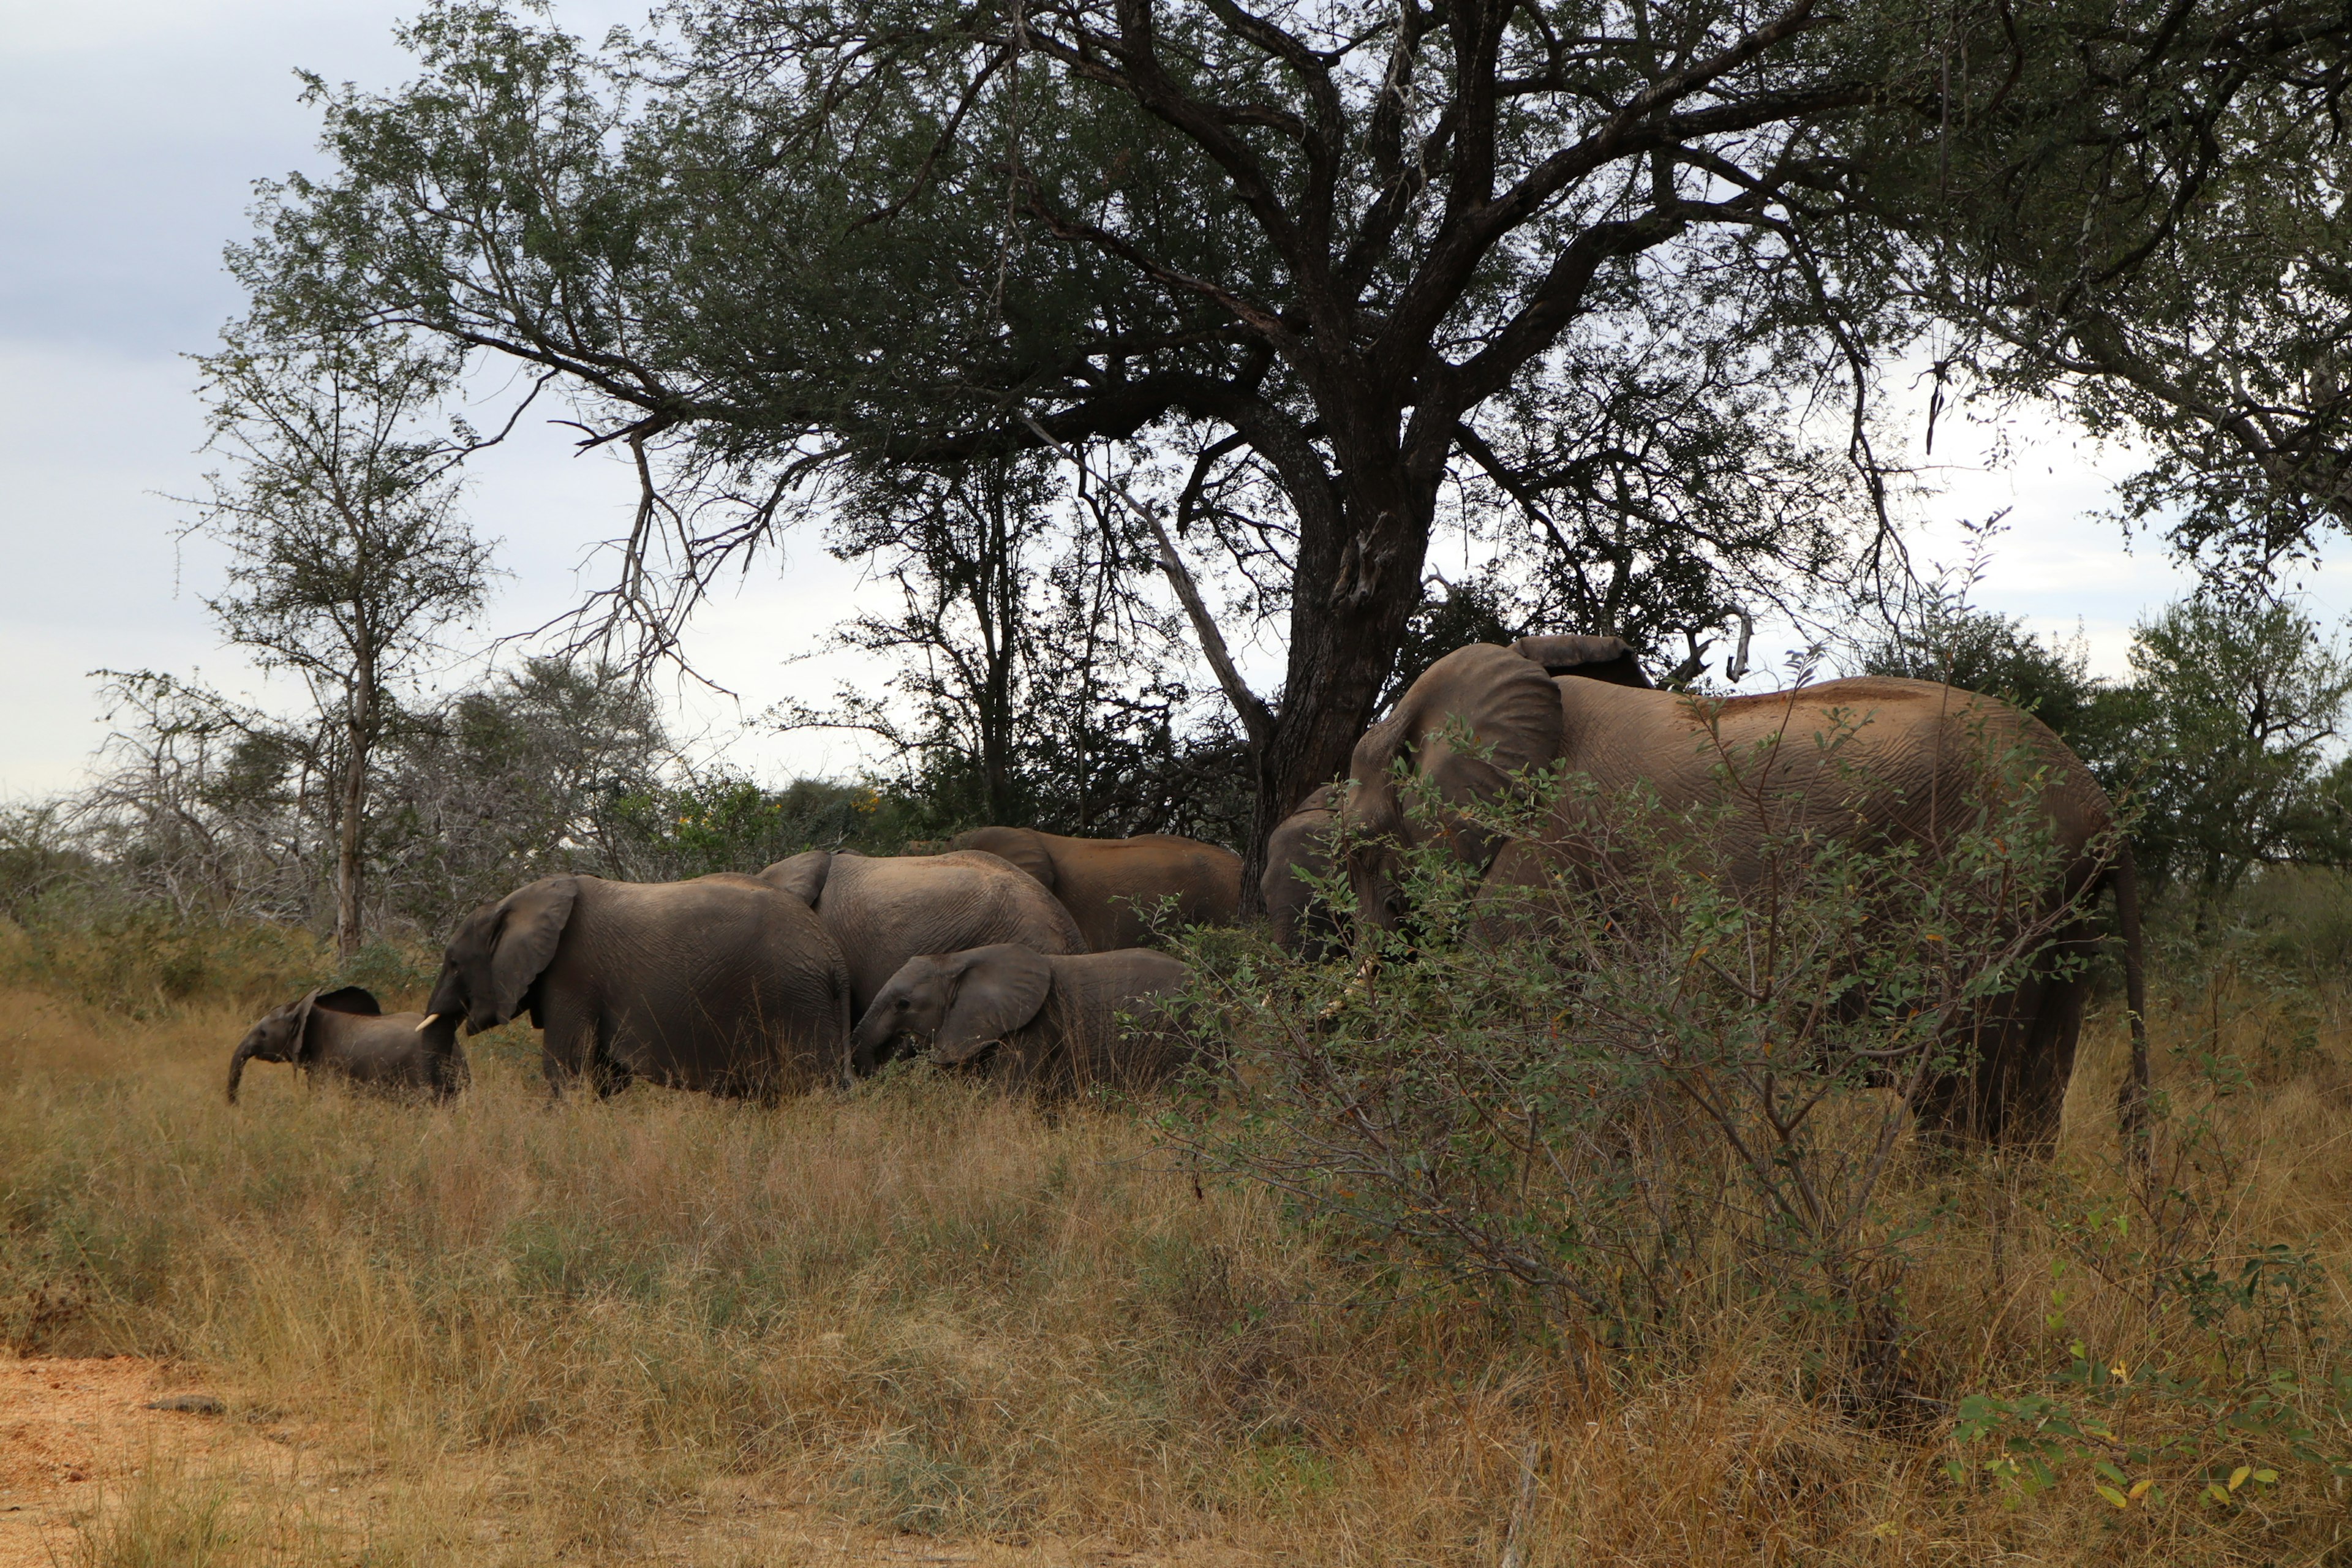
<point x="359" y="731"/>
<point x="1356" y="588"/>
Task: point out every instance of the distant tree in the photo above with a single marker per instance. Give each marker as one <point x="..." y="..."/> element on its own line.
<point x="518" y="778"/>
<point x="1033" y="684"/>
<point x="2242" y="707"/>
<point x="349" y="556"/>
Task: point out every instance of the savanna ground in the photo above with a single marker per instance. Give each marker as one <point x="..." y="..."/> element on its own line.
<point x="924" y="1323"/>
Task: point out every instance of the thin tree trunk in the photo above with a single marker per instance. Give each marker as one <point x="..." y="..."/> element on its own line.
<point x="358" y="730"/>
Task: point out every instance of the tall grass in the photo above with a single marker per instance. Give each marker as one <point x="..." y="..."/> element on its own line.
<point x="554" y="1332"/>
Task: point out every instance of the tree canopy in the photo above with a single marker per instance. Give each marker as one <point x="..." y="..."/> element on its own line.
<point x="1313" y="283"/>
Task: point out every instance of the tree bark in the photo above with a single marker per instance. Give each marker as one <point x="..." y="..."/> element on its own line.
<point x="1356" y="587"/>
<point x="359" y="731"/>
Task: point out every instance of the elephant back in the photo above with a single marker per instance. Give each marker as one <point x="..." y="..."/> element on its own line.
<point x="1910" y="758"/>
<point x="1023" y="847"/>
<point x="883" y="911"/>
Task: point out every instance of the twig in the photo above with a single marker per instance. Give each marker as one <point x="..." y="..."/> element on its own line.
<point x="1512" y="1557"/>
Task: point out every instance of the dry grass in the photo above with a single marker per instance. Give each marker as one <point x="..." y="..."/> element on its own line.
<point x="612" y="1331"/>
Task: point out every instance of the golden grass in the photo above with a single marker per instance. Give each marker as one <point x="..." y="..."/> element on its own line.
<point x="668" y="1326"/>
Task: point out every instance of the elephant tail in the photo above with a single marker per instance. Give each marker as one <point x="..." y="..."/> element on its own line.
<point x="2132" y="1107"/>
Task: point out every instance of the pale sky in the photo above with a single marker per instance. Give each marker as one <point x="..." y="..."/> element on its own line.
<point x="134" y="130"/>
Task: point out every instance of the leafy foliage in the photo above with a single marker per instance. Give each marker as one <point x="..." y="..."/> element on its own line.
<point x="1624" y="1075"/>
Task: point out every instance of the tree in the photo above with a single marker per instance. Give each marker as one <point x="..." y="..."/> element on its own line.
<point x="348" y="553"/>
<point x="518" y="778"/>
<point x="2241" y="712"/>
<point x="2169" y="252"/>
<point x="1038" y="677"/>
<point x="1330" y="261"/>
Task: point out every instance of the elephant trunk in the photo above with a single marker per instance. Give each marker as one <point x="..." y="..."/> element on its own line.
<point x="245" y="1052"/>
<point x="868" y="1045"/>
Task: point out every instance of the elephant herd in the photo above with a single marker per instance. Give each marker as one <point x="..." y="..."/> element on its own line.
<point x="1018" y="951"/>
<point x="820" y="967"/>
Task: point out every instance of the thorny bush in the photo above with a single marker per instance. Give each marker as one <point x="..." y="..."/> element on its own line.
<point x="1657" y="1061"/>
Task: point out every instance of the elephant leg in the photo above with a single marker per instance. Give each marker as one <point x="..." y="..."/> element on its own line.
<point x="569" y="1043"/>
<point x="608" y="1073"/>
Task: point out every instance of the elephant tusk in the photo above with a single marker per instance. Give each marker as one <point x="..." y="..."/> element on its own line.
<point x="429" y="1019"/>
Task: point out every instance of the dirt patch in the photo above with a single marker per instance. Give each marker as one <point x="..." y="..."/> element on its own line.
<point x="78" y="1435"/>
<point x="72" y="1429"/>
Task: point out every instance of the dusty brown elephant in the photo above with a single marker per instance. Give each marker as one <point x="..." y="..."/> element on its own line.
<point x="1299" y="850"/>
<point x="1299" y="853"/>
<point x="1917" y="747"/>
<point x="1115" y="887"/>
<point x="721" y="984"/>
<point x="343" y="1033"/>
<point x="1053" y="1021"/>
<point x="883" y="911"/>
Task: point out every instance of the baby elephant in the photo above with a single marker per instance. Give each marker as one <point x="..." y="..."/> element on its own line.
<point x="1055" y="1017"/>
<point x="345" y="1033"/>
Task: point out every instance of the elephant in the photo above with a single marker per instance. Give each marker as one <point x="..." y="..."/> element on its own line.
<point x="721" y="984"/>
<point x="1916" y="748"/>
<point x="1053" y="1018"/>
<point x="345" y="1033"/>
<point x="1302" y="842"/>
<point x="1299" y="848"/>
<point x="1116" y="888"/>
<point x="883" y="911"/>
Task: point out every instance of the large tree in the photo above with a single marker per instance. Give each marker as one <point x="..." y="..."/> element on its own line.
<point x="1606" y="258"/>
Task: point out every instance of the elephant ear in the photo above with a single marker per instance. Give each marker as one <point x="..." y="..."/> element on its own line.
<point x="530" y="922"/>
<point x="286" y="1034"/>
<point x="1474" y="717"/>
<point x="348" y="999"/>
<point x="802" y="875"/>
<point x="1025" y="847"/>
<point x="1593" y="659"/>
<point x="356" y="999"/>
<point x="997" y="990"/>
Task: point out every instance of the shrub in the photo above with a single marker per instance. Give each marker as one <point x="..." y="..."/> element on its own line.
<point x="1656" y="1065"/>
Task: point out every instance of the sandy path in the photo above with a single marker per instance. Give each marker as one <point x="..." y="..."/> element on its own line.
<point x="72" y="1429"/>
<point x="74" y="1432"/>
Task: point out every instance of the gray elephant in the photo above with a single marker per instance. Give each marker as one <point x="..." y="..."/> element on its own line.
<point x="346" y="1034"/>
<point x="1053" y="1020"/>
<point x="1908" y="765"/>
<point x="721" y="983"/>
<point x="883" y="911"/>
<point x="1122" y="890"/>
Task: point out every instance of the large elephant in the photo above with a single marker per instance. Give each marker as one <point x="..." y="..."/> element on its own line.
<point x="1906" y="764"/>
<point x="1298" y="855"/>
<point x="346" y="1034"/>
<point x="1115" y="889"/>
<point x="721" y="984"/>
<point x="883" y="911"/>
<point x="1053" y="1019"/>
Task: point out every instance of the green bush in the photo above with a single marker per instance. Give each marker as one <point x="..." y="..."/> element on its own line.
<point x="1623" y="1079"/>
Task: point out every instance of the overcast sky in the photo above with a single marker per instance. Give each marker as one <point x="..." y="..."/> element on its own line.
<point x="134" y="130"/>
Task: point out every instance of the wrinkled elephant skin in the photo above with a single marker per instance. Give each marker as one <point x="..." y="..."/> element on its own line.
<point x="1049" y="1022"/>
<point x="883" y="911"/>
